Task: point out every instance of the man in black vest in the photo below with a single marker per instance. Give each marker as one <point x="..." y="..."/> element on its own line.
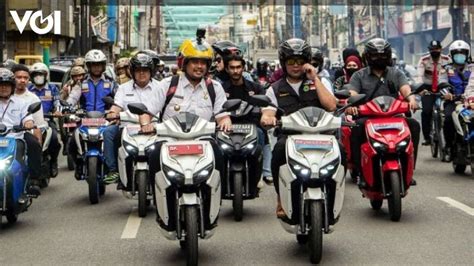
<point x="300" y="87"/>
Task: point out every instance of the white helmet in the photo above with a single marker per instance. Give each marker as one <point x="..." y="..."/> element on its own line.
<point x="39" y="68"/>
<point x="161" y="63"/>
<point x="460" y="46"/>
<point x="95" y="56"/>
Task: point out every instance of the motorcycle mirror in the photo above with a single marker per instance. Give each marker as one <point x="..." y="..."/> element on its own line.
<point x="3" y="128"/>
<point x="342" y="94"/>
<point x="137" y="108"/>
<point x="231" y="105"/>
<point x="259" y="100"/>
<point x="108" y="100"/>
<point x="34" y="107"/>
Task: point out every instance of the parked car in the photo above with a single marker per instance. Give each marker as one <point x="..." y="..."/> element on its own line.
<point x="57" y="74"/>
<point x="66" y="61"/>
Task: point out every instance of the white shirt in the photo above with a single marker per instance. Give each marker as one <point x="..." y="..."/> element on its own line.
<point x="188" y="98"/>
<point x="28" y="97"/>
<point x="11" y="112"/>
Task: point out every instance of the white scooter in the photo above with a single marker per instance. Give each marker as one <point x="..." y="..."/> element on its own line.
<point x="188" y="186"/>
<point x="311" y="183"/>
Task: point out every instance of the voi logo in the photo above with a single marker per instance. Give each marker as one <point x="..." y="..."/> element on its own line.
<point x="53" y="21"/>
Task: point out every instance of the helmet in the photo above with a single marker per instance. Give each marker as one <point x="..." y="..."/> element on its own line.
<point x="122" y="62"/>
<point x="434" y="44"/>
<point x="9" y="63"/>
<point x="193" y="49"/>
<point x="317" y="55"/>
<point x="80" y="61"/>
<point x="142" y="60"/>
<point x="38" y="68"/>
<point x="294" y="47"/>
<point x="262" y="63"/>
<point x="77" y="70"/>
<point x="6" y="76"/>
<point x="95" y="56"/>
<point x="378" y="46"/>
<point x="226" y="48"/>
<point x="161" y="63"/>
<point x="459" y="47"/>
<point x="154" y="56"/>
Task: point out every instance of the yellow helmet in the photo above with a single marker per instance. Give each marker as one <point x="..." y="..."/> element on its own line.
<point x="192" y="49"/>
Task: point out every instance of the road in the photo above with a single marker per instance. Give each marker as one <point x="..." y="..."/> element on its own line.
<point x="62" y="228"/>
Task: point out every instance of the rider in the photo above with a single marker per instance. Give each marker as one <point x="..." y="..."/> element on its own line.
<point x="141" y="89"/>
<point x="299" y="88"/>
<point x="351" y="65"/>
<point x="459" y="72"/>
<point x="161" y="73"/>
<point x="122" y="71"/>
<point x="317" y="60"/>
<point x="223" y="49"/>
<point x="13" y="109"/>
<point x="378" y="79"/>
<point x="262" y="73"/>
<point x="237" y="87"/>
<point x="431" y="72"/>
<point x="94" y="87"/>
<point x="49" y="96"/>
<point x="77" y="76"/>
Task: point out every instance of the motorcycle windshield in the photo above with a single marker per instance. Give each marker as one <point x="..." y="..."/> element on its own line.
<point x="384" y="102"/>
<point x="312" y="114"/>
<point x="186" y="121"/>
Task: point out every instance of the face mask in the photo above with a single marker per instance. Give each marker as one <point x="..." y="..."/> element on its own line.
<point x="351" y="71"/>
<point x="460" y="59"/>
<point x="435" y="54"/>
<point x="39" y="80"/>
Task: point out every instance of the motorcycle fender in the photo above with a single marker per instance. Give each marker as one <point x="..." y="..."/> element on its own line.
<point x="141" y="166"/>
<point x="285" y="180"/>
<point x="457" y="124"/>
<point x="313" y="194"/>
<point x="122" y="166"/>
<point x="77" y="139"/>
<point x="189" y="199"/>
<point x="391" y="165"/>
<point x="237" y="166"/>
<point x="215" y="183"/>
<point x="162" y="184"/>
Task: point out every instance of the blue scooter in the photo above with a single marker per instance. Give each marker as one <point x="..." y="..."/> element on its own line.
<point x="15" y="192"/>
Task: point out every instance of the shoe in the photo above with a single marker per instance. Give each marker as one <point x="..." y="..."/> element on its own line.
<point x="413" y="182"/>
<point x="111" y="178"/>
<point x="78" y="171"/>
<point x="361" y="182"/>
<point x="54" y="168"/>
<point x="120" y="186"/>
<point x="268" y="180"/>
<point x="34" y="190"/>
<point x="279" y="210"/>
<point x="260" y="184"/>
<point x="426" y="142"/>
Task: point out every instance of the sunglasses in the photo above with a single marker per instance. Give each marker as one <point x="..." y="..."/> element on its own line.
<point x="298" y="61"/>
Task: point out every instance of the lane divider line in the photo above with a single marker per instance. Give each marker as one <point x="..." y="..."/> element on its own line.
<point x="458" y="205"/>
<point x="133" y="224"/>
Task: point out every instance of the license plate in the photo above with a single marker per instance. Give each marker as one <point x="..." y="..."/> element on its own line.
<point x="133" y="130"/>
<point x="93" y="122"/>
<point x="242" y="128"/>
<point x="388" y="126"/>
<point x="4" y="143"/>
<point x="69" y="125"/>
<point x="192" y="149"/>
<point x="302" y="144"/>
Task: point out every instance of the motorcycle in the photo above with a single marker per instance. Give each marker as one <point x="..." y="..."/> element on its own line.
<point x="463" y="150"/>
<point x="311" y="183"/>
<point x="187" y="188"/>
<point x="133" y="160"/>
<point x="16" y="196"/>
<point x="69" y="122"/>
<point x="243" y="159"/>
<point x="89" y="140"/>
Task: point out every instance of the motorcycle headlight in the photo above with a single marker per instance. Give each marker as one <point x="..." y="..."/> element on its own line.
<point x="5" y="163"/>
<point x="130" y="148"/>
<point x="299" y="170"/>
<point x="250" y="146"/>
<point x="173" y="176"/>
<point x="93" y="132"/>
<point x="203" y="174"/>
<point x="402" y="145"/>
<point x="378" y="146"/>
<point x="329" y="169"/>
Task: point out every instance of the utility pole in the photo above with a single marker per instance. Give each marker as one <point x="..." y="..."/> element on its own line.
<point x="158" y="26"/>
<point x="3" y="28"/>
<point x="350" y="16"/>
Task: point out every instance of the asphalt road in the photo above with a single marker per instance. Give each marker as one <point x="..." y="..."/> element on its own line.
<point x="62" y="228"/>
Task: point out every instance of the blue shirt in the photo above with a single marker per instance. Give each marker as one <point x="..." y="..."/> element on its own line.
<point x="458" y="79"/>
<point x="49" y="96"/>
<point x="92" y="93"/>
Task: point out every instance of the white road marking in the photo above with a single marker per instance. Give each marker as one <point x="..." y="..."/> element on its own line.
<point x="132" y="226"/>
<point x="458" y="205"/>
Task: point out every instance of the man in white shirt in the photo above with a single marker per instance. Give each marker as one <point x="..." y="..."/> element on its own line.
<point x="13" y="111"/>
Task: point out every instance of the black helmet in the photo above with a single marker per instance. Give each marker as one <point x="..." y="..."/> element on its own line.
<point x="142" y="60"/>
<point x="380" y="47"/>
<point x="6" y="76"/>
<point x="262" y="64"/>
<point x="226" y="48"/>
<point x="434" y="44"/>
<point x="294" y="47"/>
<point x="154" y="56"/>
<point x="317" y="56"/>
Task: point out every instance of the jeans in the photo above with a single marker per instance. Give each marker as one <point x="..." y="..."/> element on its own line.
<point x="111" y="146"/>
<point x="267" y="152"/>
<point x="54" y="146"/>
<point x="33" y="151"/>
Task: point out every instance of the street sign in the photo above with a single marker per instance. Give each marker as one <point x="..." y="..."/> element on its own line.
<point x="252" y="22"/>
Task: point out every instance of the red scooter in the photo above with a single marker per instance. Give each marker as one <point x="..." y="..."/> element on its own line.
<point x="387" y="157"/>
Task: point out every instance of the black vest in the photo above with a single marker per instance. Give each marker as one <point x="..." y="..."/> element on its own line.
<point x="289" y="101"/>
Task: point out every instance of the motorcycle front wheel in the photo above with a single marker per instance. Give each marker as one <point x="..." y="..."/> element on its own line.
<point x="238" y="201"/>
<point x="142" y="188"/>
<point x="191" y="238"/>
<point x="395" y="199"/>
<point x="92" y="180"/>
<point x="316" y="231"/>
